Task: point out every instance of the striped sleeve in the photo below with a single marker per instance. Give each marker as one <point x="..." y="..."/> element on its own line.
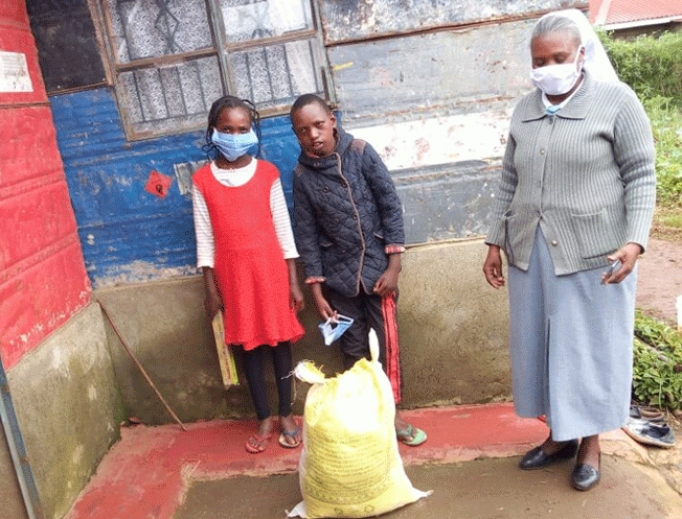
<point x="635" y="154"/>
<point x="280" y="216"/>
<point x="203" y="230"/>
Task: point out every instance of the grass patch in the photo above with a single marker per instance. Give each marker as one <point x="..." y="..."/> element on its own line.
<point x="657" y="374"/>
<point x="666" y="125"/>
<point x="667" y="224"/>
<point x="672" y="220"/>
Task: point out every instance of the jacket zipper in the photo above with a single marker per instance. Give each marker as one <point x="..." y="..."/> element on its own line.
<point x="357" y="214"/>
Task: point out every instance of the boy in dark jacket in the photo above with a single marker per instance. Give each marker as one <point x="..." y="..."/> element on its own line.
<point x="350" y="235"/>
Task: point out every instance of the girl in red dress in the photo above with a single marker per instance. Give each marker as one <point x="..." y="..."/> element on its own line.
<point x="246" y="250"/>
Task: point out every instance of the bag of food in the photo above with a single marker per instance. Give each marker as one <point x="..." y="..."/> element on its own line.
<point x="350" y="465"/>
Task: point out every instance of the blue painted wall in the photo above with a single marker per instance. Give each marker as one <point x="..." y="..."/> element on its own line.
<point x="128" y="234"/>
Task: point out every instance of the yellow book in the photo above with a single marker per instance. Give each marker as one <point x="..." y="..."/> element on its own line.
<point x="228" y="368"/>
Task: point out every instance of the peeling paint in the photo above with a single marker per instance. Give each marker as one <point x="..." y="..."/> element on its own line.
<point x="355" y="20"/>
<point x="438" y="140"/>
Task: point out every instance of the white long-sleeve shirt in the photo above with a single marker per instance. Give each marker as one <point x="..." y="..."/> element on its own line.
<point x="236" y="178"/>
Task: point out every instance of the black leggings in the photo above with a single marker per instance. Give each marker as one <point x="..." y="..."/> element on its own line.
<point x="255" y="378"/>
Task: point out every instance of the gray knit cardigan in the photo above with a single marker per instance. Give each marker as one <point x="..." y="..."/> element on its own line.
<point x="585" y="175"/>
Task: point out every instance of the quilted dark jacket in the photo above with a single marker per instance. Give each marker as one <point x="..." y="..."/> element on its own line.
<point x="346" y="211"/>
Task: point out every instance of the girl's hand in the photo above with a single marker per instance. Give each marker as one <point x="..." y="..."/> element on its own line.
<point x="212" y="303"/>
<point x="492" y="267"/>
<point x="296" y="298"/>
<point x="627" y="255"/>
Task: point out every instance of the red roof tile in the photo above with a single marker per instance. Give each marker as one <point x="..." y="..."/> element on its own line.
<point x="609" y="12"/>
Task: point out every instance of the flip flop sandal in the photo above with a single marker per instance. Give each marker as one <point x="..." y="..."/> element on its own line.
<point x="659" y="435"/>
<point x="258" y="443"/>
<point x="411" y="436"/>
<point x="290" y="434"/>
<point x="646" y="413"/>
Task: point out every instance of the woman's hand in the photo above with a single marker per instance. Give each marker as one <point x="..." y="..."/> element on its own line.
<point x="627" y="255"/>
<point x="492" y="267"/>
<point x="296" y="298"/>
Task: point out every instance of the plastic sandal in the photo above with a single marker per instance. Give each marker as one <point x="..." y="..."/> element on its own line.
<point x="291" y="434"/>
<point x="258" y="443"/>
<point x="647" y="433"/>
<point x="411" y="436"/>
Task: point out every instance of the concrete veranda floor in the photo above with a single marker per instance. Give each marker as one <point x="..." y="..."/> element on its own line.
<point x="164" y="472"/>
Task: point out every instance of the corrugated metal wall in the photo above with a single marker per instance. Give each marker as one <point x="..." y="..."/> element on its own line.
<point x="42" y="276"/>
<point x="129" y="234"/>
<point x="430" y="83"/>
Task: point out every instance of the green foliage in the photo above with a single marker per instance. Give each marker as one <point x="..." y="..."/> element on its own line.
<point x="657" y="375"/>
<point x="666" y="124"/>
<point x="653" y="68"/>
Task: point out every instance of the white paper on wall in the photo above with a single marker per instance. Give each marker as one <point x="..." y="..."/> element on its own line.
<point x="14" y="76"/>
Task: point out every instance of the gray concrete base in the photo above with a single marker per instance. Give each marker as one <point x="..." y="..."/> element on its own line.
<point x="453" y="327"/>
<point x="479" y="489"/>
<point x="453" y="333"/>
<point x="72" y="391"/>
<point x="67" y="404"/>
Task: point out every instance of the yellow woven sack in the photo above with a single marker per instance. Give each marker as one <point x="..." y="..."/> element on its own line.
<point x="350" y="465"/>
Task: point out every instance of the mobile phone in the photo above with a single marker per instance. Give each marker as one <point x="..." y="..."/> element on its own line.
<point x="612" y="268"/>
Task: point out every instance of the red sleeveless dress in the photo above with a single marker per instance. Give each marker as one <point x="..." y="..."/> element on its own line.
<point x="249" y="267"/>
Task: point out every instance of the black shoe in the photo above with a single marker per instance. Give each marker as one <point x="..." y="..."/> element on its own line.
<point x="585" y="476"/>
<point x="536" y="458"/>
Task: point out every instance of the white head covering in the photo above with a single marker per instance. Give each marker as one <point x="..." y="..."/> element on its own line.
<point x="597" y="62"/>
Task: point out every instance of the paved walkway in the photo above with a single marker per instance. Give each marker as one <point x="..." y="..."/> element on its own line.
<point x="148" y="473"/>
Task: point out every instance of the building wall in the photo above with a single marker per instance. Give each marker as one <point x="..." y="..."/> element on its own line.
<point x="432" y="90"/>
<point x="52" y="340"/>
<point x="68" y="405"/>
<point x="453" y="336"/>
<point x="42" y="277"/>
<point x="430" y="87"/>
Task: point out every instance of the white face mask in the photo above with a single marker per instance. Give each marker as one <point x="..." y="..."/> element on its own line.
<point x="555" y="80"/>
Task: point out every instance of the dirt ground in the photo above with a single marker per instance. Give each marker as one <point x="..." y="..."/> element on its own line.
<point x="660" y="279"/>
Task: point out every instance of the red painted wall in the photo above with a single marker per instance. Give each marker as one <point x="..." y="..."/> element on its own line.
<point x="42" y="274"/>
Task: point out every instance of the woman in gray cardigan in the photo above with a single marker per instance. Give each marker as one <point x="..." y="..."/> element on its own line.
<point x="573" y="212"/>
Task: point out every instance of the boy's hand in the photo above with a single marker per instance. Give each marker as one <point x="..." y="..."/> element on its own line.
<point x="321" y="304"/>
<point x="296" y="298"/>
<point x="387" y="283"/>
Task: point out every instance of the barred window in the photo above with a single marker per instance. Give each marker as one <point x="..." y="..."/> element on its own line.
<point x="172" y="58"/>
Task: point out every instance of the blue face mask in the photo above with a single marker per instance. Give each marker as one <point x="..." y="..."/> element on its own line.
<point x="234" y="145"/>
<point x="333" y="329"/>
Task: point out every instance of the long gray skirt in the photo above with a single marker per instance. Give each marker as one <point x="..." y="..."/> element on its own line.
<point x="571" y="346"/>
